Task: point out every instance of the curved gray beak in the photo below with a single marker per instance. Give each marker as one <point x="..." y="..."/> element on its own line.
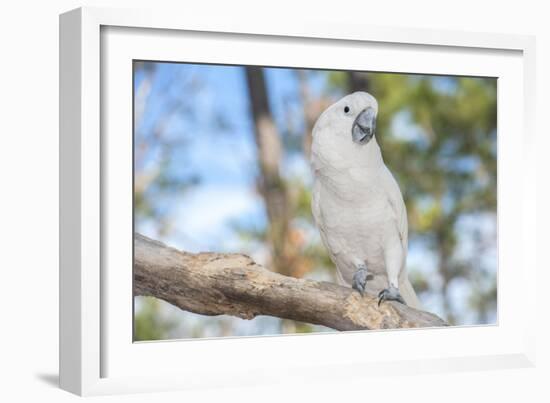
<point x="364" y="126"/>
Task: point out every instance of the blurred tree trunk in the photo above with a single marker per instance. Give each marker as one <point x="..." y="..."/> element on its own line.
<point x="313" y="107"/>
<point x="358" y="81"/>
<point x="271" y="186"/>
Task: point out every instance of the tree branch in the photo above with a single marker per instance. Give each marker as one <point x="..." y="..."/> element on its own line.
<point x="233" y="284"/>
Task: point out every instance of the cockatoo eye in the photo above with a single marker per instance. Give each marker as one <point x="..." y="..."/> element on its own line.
<point x="346" y="109"/>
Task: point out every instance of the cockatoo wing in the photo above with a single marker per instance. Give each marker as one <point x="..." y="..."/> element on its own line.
<point x="395" y="199"/>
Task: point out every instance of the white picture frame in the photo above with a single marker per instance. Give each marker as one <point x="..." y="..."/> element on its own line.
<point x="96" y="354"/>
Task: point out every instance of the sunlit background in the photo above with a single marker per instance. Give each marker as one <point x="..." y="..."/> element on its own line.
<point x="207" y="178"/>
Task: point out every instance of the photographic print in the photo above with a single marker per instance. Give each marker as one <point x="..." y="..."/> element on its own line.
<point x="274" y="200"/>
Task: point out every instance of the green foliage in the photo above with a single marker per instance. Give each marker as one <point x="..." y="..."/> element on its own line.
<point x="149" y="323"/>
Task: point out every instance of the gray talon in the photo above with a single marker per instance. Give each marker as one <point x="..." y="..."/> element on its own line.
<point x="360" y="280"/>
<point x="390" y="294"/>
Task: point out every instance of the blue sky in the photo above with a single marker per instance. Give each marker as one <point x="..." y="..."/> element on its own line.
<point x="222" y="156"/>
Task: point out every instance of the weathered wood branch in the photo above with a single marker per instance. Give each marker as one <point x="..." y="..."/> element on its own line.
<point x="233" y="284"/>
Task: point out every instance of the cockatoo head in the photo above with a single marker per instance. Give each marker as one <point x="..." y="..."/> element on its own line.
<point x="345" y="129"/>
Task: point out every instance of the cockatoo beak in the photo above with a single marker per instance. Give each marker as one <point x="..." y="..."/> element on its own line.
<point x="364" y="126"/>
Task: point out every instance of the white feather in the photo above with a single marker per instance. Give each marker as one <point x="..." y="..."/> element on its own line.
<point x="356" y="202"/>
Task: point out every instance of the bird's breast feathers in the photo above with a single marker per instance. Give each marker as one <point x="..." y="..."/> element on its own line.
<point x="354" y="217"/>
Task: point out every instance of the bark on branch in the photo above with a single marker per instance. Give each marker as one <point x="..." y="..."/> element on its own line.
<point x="233" y="284"/>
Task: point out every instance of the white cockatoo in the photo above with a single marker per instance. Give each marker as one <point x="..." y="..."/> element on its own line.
<point x="357" y="204"/>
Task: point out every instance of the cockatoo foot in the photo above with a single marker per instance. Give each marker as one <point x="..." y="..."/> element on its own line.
<point x="360" y="279"/>
<point x="390" y="294"/>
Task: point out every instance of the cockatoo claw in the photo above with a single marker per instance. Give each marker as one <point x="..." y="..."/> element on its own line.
<point x="360" y="279"/>
<point x="390" y="294"/>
